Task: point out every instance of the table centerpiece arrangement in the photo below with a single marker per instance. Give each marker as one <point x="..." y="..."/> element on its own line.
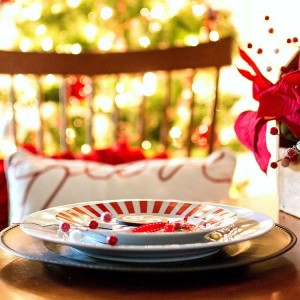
<point x="279" y="102"/>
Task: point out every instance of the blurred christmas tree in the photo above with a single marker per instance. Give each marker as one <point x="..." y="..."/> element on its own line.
<point x="74" y="26"/>
<point x="111" y="25"/>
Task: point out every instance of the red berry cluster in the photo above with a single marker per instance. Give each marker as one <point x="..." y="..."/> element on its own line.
<point x="291" y="154"/>
<point x="93" y="224"/>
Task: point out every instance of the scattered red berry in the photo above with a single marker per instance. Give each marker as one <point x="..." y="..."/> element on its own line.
<point x="274" y="131"/>
<point x="249" y="45"/>
<point x="283" y="69"/>
<point x="65" y="227"/>
<point x="267" y="18"/>
<point x="271" y="30"/>
<point x="259" y="51"/>
<point x="93" y="224"/>
<point x="292" y="154"/>
<point x="106" y="217"/>
<point x="285" y="162"/>
<point x="273" y="165"/>
<point x="295" y="39"/>
<point x="288" y="40"/>
<point x="112" y="240"/>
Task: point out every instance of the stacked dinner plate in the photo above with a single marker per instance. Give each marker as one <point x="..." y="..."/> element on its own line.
<point x="143" y="231"/>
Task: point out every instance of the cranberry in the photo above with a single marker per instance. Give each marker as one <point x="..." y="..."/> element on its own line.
<point x="274" y="131"/>
<point x="65" y="227"/>
<point x="93" y="224"/>
<point x="112" y="240"/>
<point x="292" y="154"/>
<point x="106" y="217"/>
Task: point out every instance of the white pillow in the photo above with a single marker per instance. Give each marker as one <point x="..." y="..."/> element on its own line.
<point x="36" y="182"/>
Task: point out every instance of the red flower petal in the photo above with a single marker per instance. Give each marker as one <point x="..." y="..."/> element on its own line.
<point x="292" y="122"/>
<point x="251" y="131"/>
<point x="257" y="78"/>
<point x="281" y="99"/>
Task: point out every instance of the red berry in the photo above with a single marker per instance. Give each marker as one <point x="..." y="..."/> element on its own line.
<point x="283" y="69"/>
<point x="259" y="51"/>
<point x="271" y="30"/>
<point x="273" y="165"/>
<point x="267" y="18"/>
<point x="269" y="69"/>
<point x="292" y="154"/>
<point x="288" y="40"/>
<point x="106" y="217"/>
<point x="65" y="227"/>
<point x="274" y="131"/>
<point x="249" y="45"/>
<point x="285" y="162"/>
<point x="295" y="39"/>
<point x="112" y="240"/>
<point x="93" y="224"/>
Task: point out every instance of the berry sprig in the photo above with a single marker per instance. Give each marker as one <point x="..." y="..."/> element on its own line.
<point x="76" y="235"/>
<point x="291" y="154"/>
<point x="292" y="41"/>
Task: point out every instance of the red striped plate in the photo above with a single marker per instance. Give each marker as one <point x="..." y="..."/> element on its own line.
<point x="149" y="211"/>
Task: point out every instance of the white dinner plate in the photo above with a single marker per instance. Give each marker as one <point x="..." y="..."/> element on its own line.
<point x="250" y="224"/>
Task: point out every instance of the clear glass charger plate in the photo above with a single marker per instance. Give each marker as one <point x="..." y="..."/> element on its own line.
<point x="272" y="244"/>
<point x="250" y="225"/>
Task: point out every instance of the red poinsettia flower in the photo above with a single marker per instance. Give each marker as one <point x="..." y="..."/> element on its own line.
<point x="279" y="101"/>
